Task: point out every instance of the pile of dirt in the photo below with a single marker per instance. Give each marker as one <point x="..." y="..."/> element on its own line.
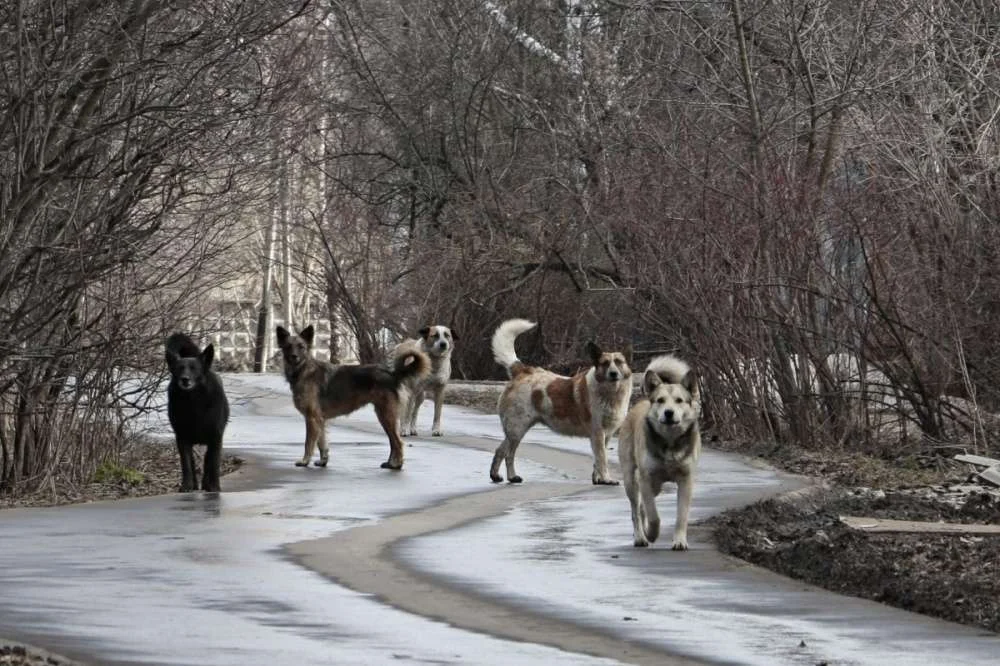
<point x="146" y="468"/>
<point x="953" y="577"/>
<point x="481" y="396"/>
<point x="14" y="654"/>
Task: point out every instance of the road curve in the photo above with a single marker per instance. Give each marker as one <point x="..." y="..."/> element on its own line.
<point x="362" y="559"/>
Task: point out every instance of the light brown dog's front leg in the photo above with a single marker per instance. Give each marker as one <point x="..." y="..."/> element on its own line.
<point x="598" y="444"/>
<point x="685" y="485"/>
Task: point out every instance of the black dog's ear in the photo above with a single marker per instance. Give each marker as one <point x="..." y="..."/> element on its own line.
<point x="172" y="357"/>
<point x="454" y="335"/>
<point x="307" y="334"/>
<point x="282" y="335"/>
<point x="206" y="357"/>
<point x="594" y="352"/>
<point x="627" y="353"/>
<point x="424" y="331"/>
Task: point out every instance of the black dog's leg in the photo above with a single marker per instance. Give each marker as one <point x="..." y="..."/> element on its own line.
<point x="210" y="473"/>
<point x="189" y="479"/>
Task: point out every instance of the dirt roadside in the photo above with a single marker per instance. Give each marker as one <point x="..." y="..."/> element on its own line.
<point x="954" y="577"/>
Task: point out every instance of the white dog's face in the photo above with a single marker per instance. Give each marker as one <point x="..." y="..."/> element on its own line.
<point x="672" y="406"/>
<point x="438" y="339"/>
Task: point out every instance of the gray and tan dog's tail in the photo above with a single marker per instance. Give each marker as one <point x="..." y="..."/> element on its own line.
<point x="411" y="363"/>
<point x="668" y="369"/>
<point x="503" y="343"/>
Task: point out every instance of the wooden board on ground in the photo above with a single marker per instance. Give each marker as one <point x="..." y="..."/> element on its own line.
<point x="982" y="461"/>
<point x="991" y="474"/>
<point x="864" y="524"/>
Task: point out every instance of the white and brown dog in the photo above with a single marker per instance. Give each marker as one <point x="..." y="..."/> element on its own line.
<point x="592" y="403"/>
<point x="660" y="441"/>
<point x="437" y="342"/>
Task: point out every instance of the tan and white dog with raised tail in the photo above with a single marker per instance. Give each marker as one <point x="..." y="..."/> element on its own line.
<point x="592" y="403"/>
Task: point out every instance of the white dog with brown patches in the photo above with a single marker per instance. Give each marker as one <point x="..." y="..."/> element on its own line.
<point x="660" y="441"/>
<point x="437" y="342"/>
<point x="591" y="403"/>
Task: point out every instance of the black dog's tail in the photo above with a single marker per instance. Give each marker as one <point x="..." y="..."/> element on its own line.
<point x="413" y="363"/>
<point x="180" y="345"/>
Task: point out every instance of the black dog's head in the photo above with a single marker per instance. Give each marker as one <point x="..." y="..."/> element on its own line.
<point x="295" y="349"/>
<point x="188" y="372"/>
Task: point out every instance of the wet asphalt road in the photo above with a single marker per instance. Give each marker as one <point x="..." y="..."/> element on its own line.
<point x="215" y="579"/>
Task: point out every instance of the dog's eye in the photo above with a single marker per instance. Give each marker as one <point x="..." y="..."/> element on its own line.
<point x="660" y="400"/>
<point x="678" y="400"/>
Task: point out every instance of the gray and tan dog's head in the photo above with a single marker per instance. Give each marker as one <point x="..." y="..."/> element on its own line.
<point x="438" y="340"/>
<point x="673" y="393"/>
<point x="610" y="366"/>
<point x="295" y="349"/>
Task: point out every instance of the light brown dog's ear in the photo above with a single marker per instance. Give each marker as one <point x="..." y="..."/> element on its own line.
<point x="282" y="335"/>
<point x="627" y="353"/>
<point x="690" y="382"/>
<point x="594" y="352"/>
<point x="650" y="381"/>
<point x="307" y="334"/>
<point x="454" y="335"/>
<point x="424" y="331"/>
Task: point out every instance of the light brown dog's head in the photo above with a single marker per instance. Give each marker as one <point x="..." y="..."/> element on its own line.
<point x="438" y="340"/>
<point x="674" y="406"/>
<point x="610" y="366"/>
<point x="295" y="349"/>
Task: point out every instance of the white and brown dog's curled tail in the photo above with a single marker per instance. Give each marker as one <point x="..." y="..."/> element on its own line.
<point x="412" y="363"/>
<point x="503" y="341"/>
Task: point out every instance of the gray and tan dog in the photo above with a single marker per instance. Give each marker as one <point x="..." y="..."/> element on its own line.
<point x="437" y="342"/>
<point x="322" y="390"/>
<point x="660" y="441"/>
<point x="592" y="403"/>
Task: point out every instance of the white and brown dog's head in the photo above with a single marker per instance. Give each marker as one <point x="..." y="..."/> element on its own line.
<point x="674" y="396"/>
<point x="610" y="366"/>
<point x="438" y="340"/>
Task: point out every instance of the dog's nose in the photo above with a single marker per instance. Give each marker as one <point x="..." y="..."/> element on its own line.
<point x="613" y="375"/>
<point x="668" y="416"/>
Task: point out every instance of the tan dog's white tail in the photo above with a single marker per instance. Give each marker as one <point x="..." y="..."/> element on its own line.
<point x="503" y="341"/>
<point x="670" y="370"/>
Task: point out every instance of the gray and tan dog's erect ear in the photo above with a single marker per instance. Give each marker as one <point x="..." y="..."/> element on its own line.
<point x="594" y="352"/>
<point x="650" y="381"/>
<point x="690" y="382"/>
<point x="307" y="334"/>
<point x="282" y="336"/>
<point x="206" y="357"/>
<point x="627" y="353"/>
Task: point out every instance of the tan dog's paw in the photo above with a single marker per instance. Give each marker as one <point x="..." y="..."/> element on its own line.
<point x="679" y="544"/>
<point x="302" y="463"/>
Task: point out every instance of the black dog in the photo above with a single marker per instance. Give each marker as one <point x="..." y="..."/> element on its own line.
<point x="198" y="410"/>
